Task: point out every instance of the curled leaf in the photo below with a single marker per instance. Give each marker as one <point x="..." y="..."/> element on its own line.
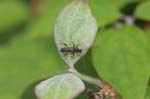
<point x="75" y="28"/>
<point x="65" y="86"/>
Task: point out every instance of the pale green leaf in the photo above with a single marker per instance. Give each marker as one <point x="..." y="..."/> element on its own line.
<point x="142" y="11"/>
<point x="75" y="26"/>
<point x="64" y="86"/>
<point x="121" y="59"/>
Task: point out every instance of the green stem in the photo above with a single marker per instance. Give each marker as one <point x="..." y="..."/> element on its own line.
<point x="87" y="78"/>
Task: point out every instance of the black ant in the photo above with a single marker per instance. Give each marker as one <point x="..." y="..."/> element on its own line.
<point x="71" y="50"/>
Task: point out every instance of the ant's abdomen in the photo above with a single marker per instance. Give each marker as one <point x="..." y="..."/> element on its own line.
<point x="66" y="50"/>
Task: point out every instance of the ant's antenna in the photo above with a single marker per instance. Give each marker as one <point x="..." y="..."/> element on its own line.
<point x="63" y="44"/>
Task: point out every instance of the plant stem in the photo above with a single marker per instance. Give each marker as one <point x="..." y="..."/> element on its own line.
<point x="87" y="78"/>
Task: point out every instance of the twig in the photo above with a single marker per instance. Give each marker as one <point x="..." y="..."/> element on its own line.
<point x="87" y="78"/>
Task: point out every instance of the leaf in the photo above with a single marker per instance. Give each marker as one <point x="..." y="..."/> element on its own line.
<point x="75" y="26"/>
<point x="108" y="11"/>
<point x="121" y="59"/>
<point x="40" y="28"/>
<point x="64" y="86"/>
<point x="142" y="11"/>
<point x="104" y="11"/>
<point x="26" y="61"/>
<point x="148" y="93"/>
<point x="119" y="4"/>
<point x="52" y="7"/>
<point x="12" y="15"/>
<point x="44" y="26"/>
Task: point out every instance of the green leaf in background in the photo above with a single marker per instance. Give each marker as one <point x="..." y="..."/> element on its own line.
<point x="75" y="27"/>
<point x="52" y="7"/>
<point x="64" y="86"/>
<point x="25" y="62"/>
<point x="108" y="11"/>
<point x="142" y="11"/>
<point x="44" y="25"/>
<point x="148" y="93"/>
<point x="120" y="3"/>
<point x="104" y="12"/>
<point x="121" y="59"/>
<point x="113" y="3"/>
<point x="40" y="28"/>
<point x="49" y="10"/>
<point x="12" y="14"/>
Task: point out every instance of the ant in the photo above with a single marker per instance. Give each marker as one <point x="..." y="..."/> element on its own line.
<point x="72" y="50"/>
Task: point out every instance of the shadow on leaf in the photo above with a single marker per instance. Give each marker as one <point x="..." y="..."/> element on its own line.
<point x="29" y="92"/>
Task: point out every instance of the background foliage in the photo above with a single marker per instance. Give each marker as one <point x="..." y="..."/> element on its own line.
<point x="28" y="53"/>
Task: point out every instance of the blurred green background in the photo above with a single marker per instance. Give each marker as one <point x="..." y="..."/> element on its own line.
<point x="27" y="50"/>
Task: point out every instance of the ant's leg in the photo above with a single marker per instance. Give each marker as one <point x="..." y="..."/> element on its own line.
<point x="80" y="54"/>
<point x="65" y="54"/>
<point x="73" y="53"/>
<point x="74" y="45"/>
<point x="77" y="46"/>
<point x="63" y="44"/>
